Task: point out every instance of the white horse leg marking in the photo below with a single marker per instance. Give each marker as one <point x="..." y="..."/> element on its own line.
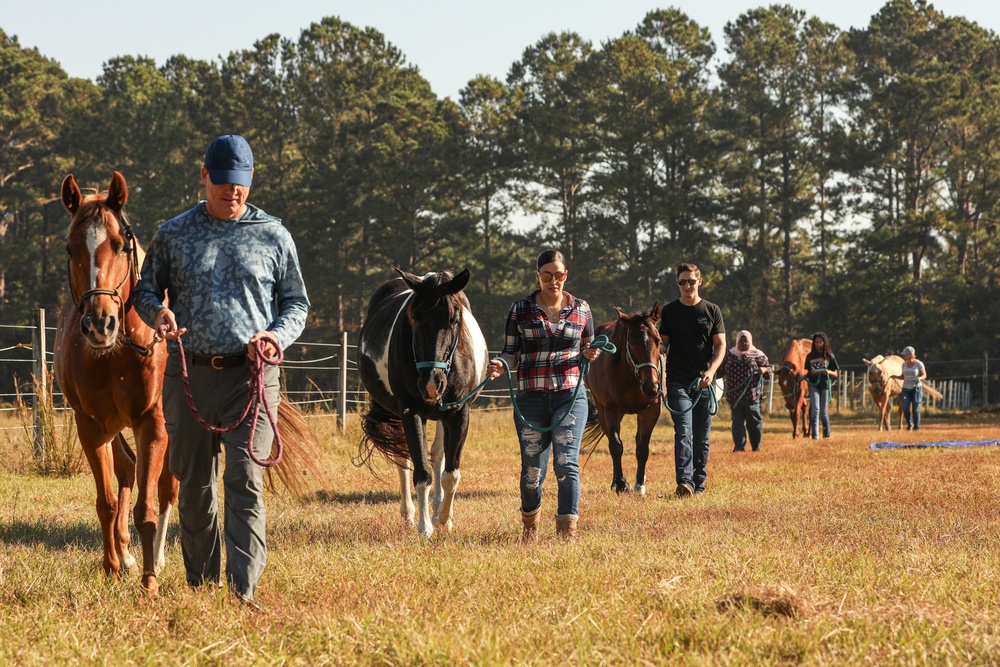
<point x="160" y="541"/>
<point x="403" y="466"/>
<point x="437" y="463"/>
<point x="425" y="527"/>
<point x="450" y="482"/>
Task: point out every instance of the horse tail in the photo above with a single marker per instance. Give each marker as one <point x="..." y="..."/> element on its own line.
<point x="381" y="431"/>
<point x="298" y="470"/>
<point x="592" y="432"/>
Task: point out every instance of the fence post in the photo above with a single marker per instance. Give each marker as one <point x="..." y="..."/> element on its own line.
<point x="342" y="384"/>
<point x="986" y="378"/>
<point x="41" y="378"/>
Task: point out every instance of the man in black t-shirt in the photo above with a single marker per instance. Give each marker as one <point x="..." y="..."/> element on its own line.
<point x="695" y="336"/>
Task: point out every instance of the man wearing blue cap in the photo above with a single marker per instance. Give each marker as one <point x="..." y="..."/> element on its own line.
<point x="233" y="277"/>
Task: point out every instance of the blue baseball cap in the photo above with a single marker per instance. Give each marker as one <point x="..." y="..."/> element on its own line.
<point x="230" y="160"/>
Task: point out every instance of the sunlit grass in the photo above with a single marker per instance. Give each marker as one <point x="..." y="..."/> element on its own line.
<point x="817" y="552"/>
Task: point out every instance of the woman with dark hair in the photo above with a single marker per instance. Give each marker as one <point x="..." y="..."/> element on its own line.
<point x="822" y="369"/>
<point x="546" y="334"/>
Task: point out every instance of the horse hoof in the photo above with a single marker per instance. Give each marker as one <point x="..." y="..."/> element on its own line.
<point x="151" y="584"/>
<point x="445" y="527"/>
<point x="620" y="487"/>
<point x="641" y="490"/>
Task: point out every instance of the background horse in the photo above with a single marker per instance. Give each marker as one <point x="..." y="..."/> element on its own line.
<point x="110" y="369"/>
<point x="420" y="348"/>
<point x="627" y="383"/>
<point x="882" y="386"/>
<point x="792" y="380"/>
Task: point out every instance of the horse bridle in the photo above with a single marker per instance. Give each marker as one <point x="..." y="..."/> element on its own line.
<point x="443" y="365"/>
<point x="132" y="251"/>
<point x="796" y="381"/>
<point x="631" y="360"/>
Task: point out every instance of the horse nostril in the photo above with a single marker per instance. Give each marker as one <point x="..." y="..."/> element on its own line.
<point x="109" y="324"/>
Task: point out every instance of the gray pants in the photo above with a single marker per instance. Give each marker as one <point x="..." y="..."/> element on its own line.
<point x="220" y="397"/>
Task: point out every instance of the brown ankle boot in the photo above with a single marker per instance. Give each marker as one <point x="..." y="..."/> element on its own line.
<point x="566" y="525"/>
<point x="530" y="521"/>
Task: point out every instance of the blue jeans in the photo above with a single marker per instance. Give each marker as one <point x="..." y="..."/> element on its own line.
<point x="746" y="417"/>
<point x="691" y="430"/>
<point x="819" y="408"/>
<point x="542" y="409"/>
<point x="911" y="406"/>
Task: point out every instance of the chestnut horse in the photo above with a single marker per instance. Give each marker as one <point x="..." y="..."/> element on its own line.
<point x="627" y="383"/>
<point x="421" y="353"/>
<point x="110" y="369"/>
<point x="792" y="376"/>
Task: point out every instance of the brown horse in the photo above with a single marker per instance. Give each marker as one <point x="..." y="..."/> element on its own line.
<point x="110" y="369"/>
<point x="792" y="380"/>
<point x="627" y="383"/>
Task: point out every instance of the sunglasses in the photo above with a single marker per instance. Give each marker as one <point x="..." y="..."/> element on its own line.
<point x="548" y="276"/>
<point x="690" y="282"/>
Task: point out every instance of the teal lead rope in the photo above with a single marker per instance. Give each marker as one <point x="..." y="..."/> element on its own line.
<point x="600" y="342"/>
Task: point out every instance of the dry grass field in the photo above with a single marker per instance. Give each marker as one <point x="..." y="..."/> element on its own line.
<point x="807" y="552"/>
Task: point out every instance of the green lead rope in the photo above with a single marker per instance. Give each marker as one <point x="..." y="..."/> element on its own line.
<point x="600" y="342"/>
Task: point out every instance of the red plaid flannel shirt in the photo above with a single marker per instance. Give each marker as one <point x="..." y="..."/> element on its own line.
<point x="548" y="361"/>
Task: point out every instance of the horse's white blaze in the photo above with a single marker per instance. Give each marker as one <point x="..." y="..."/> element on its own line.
<point x="160" y="541"/>
<point x="96" y="235"/>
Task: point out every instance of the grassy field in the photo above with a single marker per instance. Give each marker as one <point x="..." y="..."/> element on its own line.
<point x="807" y="552"/>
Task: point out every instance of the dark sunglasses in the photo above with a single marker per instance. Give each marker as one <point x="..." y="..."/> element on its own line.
<point x="690" y="282"/>
<point x="547" y="276"/>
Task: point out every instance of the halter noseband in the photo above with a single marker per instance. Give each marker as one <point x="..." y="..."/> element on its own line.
<point x="444" y="365"/>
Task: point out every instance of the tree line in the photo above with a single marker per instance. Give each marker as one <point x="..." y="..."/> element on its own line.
<point x="845" y="181"/>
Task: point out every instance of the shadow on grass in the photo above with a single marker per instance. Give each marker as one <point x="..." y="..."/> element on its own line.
<point x="385" y="497"/>
<point x="52" y="536"/>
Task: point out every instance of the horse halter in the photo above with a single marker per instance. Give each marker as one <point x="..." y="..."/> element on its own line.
<point x="631" y="359"/>
<point x="132" y="253"/>
<point x="444" y="365"/>
<point x="795" y="379"/>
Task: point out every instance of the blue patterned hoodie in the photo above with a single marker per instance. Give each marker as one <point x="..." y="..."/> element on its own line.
<point x="227" y="279"/>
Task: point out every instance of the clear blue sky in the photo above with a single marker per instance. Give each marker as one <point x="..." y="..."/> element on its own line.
<point x="450" y="41"/>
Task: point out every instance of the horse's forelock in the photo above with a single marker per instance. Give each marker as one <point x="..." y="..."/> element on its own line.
<point x="92" y="206"/>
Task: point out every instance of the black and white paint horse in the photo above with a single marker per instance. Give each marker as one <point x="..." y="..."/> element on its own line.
<point x="421" y="348"/>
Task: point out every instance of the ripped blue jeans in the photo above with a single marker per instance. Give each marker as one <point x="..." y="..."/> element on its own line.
<point x="544" y="408"/>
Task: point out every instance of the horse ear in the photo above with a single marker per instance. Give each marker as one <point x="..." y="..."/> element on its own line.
<point x="621" y="315"/>
<point x="867" y="363"/>
<point x="458" y="283"/>
<point x="654" y="314"/>
<point x="71" y="195"/>
<point x="411" y="280"/>
<point x="117" y="193"/>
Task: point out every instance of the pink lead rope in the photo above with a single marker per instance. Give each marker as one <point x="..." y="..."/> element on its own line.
<point x="256" y="397"/>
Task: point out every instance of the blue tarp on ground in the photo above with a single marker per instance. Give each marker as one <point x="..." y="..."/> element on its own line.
<point x="940" y="443"/>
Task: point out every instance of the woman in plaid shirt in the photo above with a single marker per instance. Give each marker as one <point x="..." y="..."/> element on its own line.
<point x="546" y="334"/>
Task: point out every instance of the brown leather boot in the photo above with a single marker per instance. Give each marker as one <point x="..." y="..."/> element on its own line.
<point x="566" y="525"/>
<point x="530" y="521"/>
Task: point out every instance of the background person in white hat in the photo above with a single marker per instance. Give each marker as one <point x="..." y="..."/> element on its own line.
<point x="913" y="373"/>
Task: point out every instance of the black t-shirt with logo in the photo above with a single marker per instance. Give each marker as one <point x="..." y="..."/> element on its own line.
<point x="690" y="329"/>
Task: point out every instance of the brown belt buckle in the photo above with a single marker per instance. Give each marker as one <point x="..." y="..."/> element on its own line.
<point x="214" y="359"/>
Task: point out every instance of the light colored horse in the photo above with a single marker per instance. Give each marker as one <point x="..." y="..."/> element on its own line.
<point x="883" y="385"/>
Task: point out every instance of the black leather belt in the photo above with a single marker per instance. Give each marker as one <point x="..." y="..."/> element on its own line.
<point x="217" y="361"/>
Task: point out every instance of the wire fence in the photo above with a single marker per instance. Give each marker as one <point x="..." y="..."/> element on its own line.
<point x="321" y="378"/>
